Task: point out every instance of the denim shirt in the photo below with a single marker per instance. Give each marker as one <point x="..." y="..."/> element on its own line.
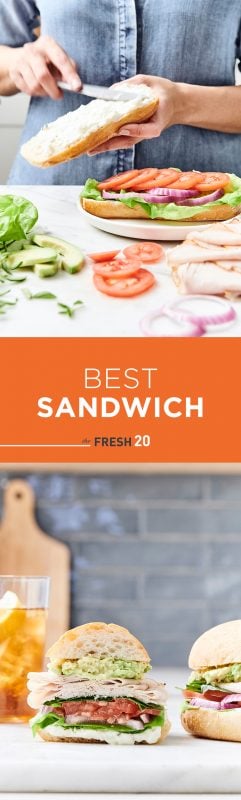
<point x="192" y="41"/>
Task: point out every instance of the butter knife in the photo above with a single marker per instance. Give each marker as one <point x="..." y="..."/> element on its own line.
<point x="102" y="92"/>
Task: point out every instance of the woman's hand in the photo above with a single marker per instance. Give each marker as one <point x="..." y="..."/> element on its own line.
<point x="131" y="134"/>
<point x="36" y="67"/>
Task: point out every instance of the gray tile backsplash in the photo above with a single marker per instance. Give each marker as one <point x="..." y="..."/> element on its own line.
<point x="160" y="554"/>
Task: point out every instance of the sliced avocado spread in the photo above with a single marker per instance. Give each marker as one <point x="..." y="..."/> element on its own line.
<point x="89" y="667"/>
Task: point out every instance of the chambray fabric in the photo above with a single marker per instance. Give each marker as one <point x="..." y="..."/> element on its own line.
<point x="193" y="41"/>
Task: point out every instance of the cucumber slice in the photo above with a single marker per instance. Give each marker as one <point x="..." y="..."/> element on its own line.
<point x="71" y="256"/>
<point x="46" y="270"/>
<point x="28" y="258"/>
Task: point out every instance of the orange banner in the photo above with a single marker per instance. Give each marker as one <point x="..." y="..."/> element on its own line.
<point x="120" y="400"/>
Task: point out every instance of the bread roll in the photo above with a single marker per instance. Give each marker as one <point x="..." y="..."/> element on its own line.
<point x="90" y="125"/>
<point x="99" y="640"/>
<point x="210" y="724"/>
<point x="108" y="209"/>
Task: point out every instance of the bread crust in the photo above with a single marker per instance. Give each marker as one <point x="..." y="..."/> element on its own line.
<point x="48" y="738"/>
<point x="217" y="647"/>
<point x="209" y="724"/>
<point x="82" y="146"/>
<point x="98" y="639"/>
<point x="113" y="209"/>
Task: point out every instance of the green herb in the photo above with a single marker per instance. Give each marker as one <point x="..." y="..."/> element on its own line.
<point x="68" y="310"/>
<point x="39" y="295"/>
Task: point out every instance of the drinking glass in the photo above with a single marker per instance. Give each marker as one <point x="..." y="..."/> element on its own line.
<point x="23" y="616"/>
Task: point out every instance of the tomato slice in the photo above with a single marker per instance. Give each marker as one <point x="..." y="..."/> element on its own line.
<point x="125" y="287"/>
<point x="188" y="693"/>
<point x="213" y="180"/>
<point x="116" y="180"/>
<point x="147" y="252"/>
<point x="187" y="180"/>
<point x="107" y="256"/>
<point x="215" y="695"/>
<point x="141" y="179"/>
<point x="117" y="268"/>
<point x="164" y="177"/>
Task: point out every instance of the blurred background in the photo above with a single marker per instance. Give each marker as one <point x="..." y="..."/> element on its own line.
<point x="158" y="553"/>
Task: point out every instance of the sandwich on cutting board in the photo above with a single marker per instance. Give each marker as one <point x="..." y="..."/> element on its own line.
<point x="96" y="690"/>
<point x="78" y="132"/>
<point x="212" y="707"/>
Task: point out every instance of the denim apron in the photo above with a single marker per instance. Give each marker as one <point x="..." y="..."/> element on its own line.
<point x="192" y="41"/>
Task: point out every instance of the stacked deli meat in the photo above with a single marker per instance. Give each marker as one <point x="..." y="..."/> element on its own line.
<point x="209" y="261"/>
<point x="95" y="690"/>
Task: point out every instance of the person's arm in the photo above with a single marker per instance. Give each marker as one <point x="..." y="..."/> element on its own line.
<point x="35" y="68"/>
<point x="216" y="108"/>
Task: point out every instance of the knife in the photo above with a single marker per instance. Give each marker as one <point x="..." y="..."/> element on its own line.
<point x="102" y="92"/>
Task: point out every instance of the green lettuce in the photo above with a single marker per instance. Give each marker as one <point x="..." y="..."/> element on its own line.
<point x="169" y="211"/>
<point x="56" y="701"/>
<point x="17" y="217"/>
<point x="38" y="723"/>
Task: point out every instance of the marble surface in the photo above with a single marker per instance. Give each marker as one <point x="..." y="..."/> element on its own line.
<point x="100" y="315"/>
<point x="182" y="765"/>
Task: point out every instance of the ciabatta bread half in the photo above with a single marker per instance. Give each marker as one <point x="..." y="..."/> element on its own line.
<point x="108" y="209"/>
<point x="152" y="736"/>
<point x="80" y="131"/>
<point x="100" y="640"/>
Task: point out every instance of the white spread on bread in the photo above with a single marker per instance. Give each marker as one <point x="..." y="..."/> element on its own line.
<point x="77" y="125"/>
<point x="150" y="736"/>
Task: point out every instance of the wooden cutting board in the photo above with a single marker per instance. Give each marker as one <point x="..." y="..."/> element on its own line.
<point x="26" y="550"/>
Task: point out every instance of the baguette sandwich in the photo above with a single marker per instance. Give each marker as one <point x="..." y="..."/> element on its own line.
<point x="212" y="707"/>
<point x="96" y="690"/>
<point x="78" y="132"/>
<point x="164" y="195"/>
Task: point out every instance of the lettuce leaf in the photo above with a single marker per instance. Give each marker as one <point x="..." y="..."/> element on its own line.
<point x="17" y="217"/>
<point x="169" y="211"/>
<point x="38" y="723"/>
<point x="59" y="702"/>
<point x="91" y="190"/>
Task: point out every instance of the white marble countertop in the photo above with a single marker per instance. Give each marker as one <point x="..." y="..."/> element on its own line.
<point x="182" y="765"/>
<point x="100" y="315"/>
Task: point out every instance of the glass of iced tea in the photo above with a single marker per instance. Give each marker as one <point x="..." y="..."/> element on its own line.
<point x="23" y="615"/>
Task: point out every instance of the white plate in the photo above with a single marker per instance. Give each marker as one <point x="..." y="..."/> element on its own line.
<point x="143" y="229"/>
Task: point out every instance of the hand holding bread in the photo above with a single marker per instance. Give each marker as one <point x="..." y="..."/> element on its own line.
<point x="164" y="116"/>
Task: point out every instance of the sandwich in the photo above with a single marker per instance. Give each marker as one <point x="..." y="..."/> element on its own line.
<point x="96" y="690"/>
<point x="209" y="261"/>
<point x="212" y="707"/>
<point x="164" y="195"/>
<point x="78" y="132"/>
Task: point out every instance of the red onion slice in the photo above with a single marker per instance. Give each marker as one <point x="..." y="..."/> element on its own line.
<point x="180" y="194"/>
<point x="221" y="318"/>
<point x="201" y="201"/>
<point x="190" y="328"/>
<point x="230" y="700"/>
<point x="202" y="703"/>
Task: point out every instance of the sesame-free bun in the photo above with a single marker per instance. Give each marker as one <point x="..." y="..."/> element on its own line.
<point x="99" y="640"/>
<point x="152" y="736"/>
<point x="80" y="131"/>
<point x="108" y="209"/>
<point x="217" y="647"/>
<point x="210" y="724"/>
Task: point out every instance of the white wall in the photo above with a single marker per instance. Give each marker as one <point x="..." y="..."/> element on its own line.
<point x="12" y="115"/>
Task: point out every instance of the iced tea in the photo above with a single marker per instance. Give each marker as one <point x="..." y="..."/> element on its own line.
<point x="22" y="642"/>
